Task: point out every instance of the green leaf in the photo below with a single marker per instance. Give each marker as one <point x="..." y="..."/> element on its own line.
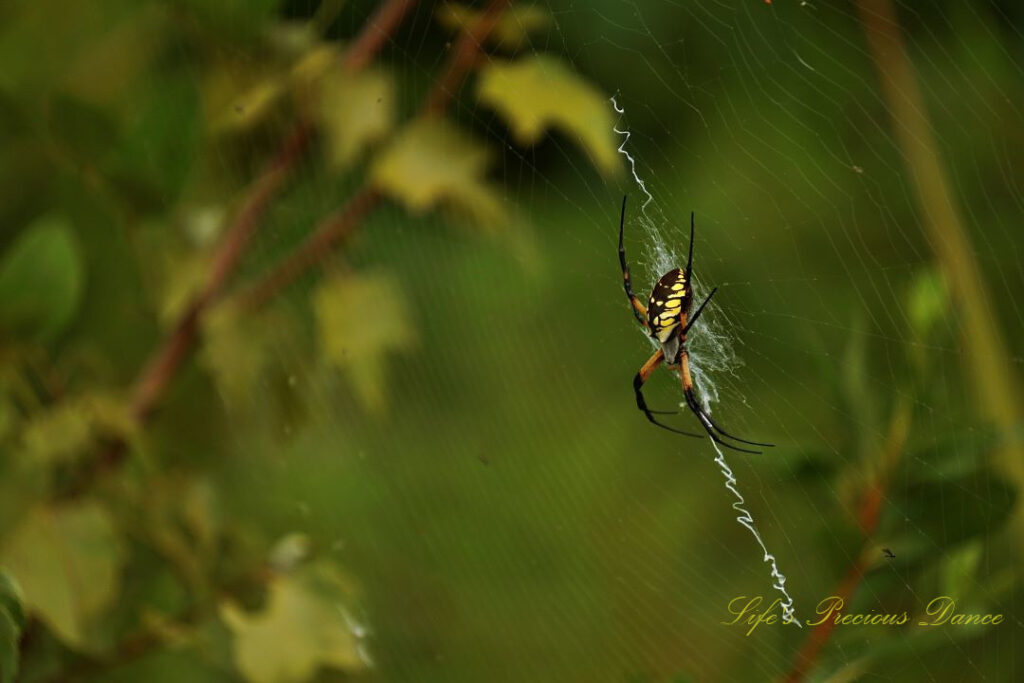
<point x="83" y="131"/>
<point x="159" y="147"/>
<point x="357" y="342"/>
<point x="123" y="54"/>
<point x="947" y="511"/>
<point x="10" y="634"/>
<point x="303" y="626"/>
<point x="538" y="93"/>
<point x="927" y="301"/>
<point x="954" y="455"/>
<point x="237" y="97"/>
<point x="12" y="621"/>
<point x="356" y="110"/>
<point x="65" y="431"/>
<point x="432" y="162"/>
<point x="231" y="19"/>
<point x="958" y="570"/>
<point x="57" y="434"/>
<point x="290" y="551"/>
<point x="201" y="513"/>
<point x="8" y="416"/>
<point x="242" y="95"/>
<point x="67" y="559"/>
<point x="43" y="43"/>
<point x="11" y="598"/>
<point x="40" y="281"/>
<point x="860" y="402"/>
<point x="237" y="351"/>
<point x="510" y="33"/>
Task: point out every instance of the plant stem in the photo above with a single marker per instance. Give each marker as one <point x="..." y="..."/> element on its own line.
<point x="377" y="31"/>
<point x="151" y="384"/>
<point x="868" y="516"/>
<point x="467" y="50"/>
<point x="331" y="229"/>
<point x="342" y="222"/>
<point x="989" y="368"/>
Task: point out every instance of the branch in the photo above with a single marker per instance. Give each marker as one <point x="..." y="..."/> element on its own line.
<point x="466" y="53"/>
<point x="329" y="231"/>
<point x="152" y="382"/>
<point x="342" y="222"/>
<point x="990" y="369"/>
<point x="376" y="32"/>
<point x="868" y="516"/>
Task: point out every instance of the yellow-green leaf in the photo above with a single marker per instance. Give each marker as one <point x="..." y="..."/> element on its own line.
<point x="305" y="625"/>
<point x="510" y="33"/>
<point x="361" y="320"/>
<point x="200" y="512"/>
<point x="928" y="301"/>
<point x="65" y="431"/>
<point x="67" y="560"/>
<point x="237" y="108"/>
<point x="432" y="162"/>
<point x="537" y="93"/>
<point x="57" y="434"/>
<point x="12" y="621"/>
<point x="237" y="351"/>
<point x="312" y="66"/>
<point x="959" y="570"/>
<point x="356" y="110"/>
<point x="11" y="598"/>
<point x="183" y="278"/>
<point x="10" y="635"/>
<point x="121" y="54"/>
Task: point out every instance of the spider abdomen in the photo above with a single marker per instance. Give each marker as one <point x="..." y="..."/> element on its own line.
<point x="669" y="303"/>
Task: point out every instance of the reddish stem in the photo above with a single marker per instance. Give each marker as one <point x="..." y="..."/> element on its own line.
<point x="343" y="221"/>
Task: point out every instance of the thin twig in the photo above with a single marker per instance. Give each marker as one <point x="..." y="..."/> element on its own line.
<point x="152" y="382"/>
<point x="869" y="513"/>
<point x="377" y="31"/>
<point x="342" y="222"/>
<point x="155" y="376"/>
<point x="467" y="50"/>
<point x="990" y="372"/>
<point x="329" y="231"/>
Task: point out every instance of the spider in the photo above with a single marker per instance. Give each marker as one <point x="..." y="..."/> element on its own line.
<point x="666" y="318"/>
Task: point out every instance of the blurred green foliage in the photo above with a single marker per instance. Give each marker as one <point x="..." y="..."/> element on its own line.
<point x="421" y="461"/>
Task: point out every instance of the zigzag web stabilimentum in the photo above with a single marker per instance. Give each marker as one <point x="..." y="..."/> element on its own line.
<point x="710" y="351"/>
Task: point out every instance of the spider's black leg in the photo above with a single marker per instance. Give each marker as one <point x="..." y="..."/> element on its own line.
<point x="710" y="424"/>
<point x="639" y="310"/>
<point x="710" y="427"/>
<point x="638" y="383"/>
<point x="700" y="309"/>
<point x="734" y="438"/>
<point x="689" y="258"/>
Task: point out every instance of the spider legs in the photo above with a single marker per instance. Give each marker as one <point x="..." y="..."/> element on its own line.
<point x="712" y="428"/>
<point x="639" y="310"/>
<point x="638" y="382"/>
<point x="640" y="313"/>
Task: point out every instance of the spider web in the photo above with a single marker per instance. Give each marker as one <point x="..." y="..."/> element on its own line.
<point x="513" y="512"/>
<point x="712" y="350"/>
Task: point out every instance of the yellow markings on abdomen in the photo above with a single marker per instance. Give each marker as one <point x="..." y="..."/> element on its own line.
<point x="666" y="304"/>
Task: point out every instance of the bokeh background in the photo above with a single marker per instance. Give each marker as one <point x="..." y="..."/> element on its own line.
<point x="315" y="362"/>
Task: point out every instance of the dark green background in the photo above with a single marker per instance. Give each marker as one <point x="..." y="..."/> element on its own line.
<point x="511" y="516"/>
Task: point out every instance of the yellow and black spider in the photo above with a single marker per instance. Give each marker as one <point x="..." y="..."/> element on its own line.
<point x="666" y="319"/>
